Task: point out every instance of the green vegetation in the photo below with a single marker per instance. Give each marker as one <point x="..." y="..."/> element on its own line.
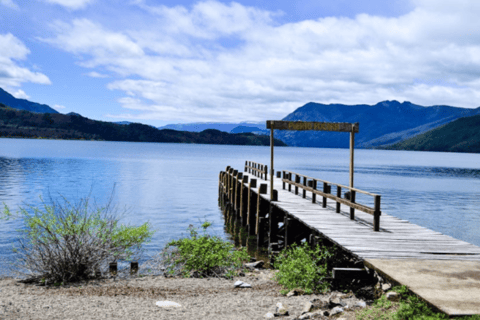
<point x="303" y="267"/>
<point x="409" y="307"/>
<point x="203" y="255"/>
<point x="63" y="242"/>
<point x="24" y="124"/>
<point x="461" y="135"/>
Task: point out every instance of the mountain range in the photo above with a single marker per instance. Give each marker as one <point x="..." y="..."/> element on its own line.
<point x="387" y="124"/>
<point x="22" y="104"/>
<point x="461" y="135"/>
<point x="384" y="123"/>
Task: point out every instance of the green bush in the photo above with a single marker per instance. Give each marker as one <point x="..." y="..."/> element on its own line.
<point x="303" y="267"/>
<point x="63" y="242"/>
<point x="204" y="255"/>
<point x="410" y="307"/>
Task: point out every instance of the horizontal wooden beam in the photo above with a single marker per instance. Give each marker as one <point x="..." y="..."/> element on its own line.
<point x="317" y="126"/>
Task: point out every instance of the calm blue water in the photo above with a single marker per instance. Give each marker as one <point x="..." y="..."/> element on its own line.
<point x="174" y="185"/>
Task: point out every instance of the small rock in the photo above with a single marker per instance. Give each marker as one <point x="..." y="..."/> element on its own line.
<point x="336" y="302"/>
<point x="361" y="304"/>
<point x="245" y="285"/>
<point x="320" y="303"/>
<point x="336" y="310"/>
<point x="305" y="316"/>
<point x="167" y="304"/>
<point x="393" y="296"/>
<point x="386" y="287"/>
<point x="281" y="310"/>
<point x="295" y="292"/>
<point x="255" y="265"/>
<point x="307" y="307"/>
<point x="269" y="315"/>
<point x="238" y="284"/>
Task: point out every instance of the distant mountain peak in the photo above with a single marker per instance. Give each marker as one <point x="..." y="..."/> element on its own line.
<point x="23" y="104"/>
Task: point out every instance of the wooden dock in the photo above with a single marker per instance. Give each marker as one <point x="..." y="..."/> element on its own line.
<point x="307" y="210"/>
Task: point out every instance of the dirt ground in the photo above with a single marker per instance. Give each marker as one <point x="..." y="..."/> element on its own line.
<point x="136" y="299"/>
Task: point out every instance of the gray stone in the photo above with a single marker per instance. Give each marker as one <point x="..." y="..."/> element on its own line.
<point x="393" y="296"/>
<point x="238" y="284"/>
<point x="305" y="316"/>
<point x="255" y="265"/>
<point x="245" y="285"/>
<point x="337" y="302"/>
<point x="386" y="286"/>
<point x="269" y="315"/>
<point x="361" y="304"/>
<point x="167" y="304"/>
<point x="295" y="292"/>
<point x="336" y="310"/>
<point x="307" y="307"/>
<point x="281" y="310"/>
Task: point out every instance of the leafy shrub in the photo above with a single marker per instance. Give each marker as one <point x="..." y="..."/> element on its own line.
<point x="63" y="242"/>
<point x="303" y="267"/>
<point x="204" y="255"/>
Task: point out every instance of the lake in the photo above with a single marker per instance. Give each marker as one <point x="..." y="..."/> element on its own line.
<point x="175" y="185"/>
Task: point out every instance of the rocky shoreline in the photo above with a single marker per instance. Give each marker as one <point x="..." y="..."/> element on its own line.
<point x="198" y="298"/>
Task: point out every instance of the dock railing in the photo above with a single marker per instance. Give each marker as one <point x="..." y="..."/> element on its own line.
<point x="308" y="184"/>
<point x="257" y="169"/>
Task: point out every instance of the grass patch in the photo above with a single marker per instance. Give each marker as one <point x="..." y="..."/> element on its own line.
<point x="300" y="266"/>
<point x="409" y="307"/>
<point x="203" y="255"/>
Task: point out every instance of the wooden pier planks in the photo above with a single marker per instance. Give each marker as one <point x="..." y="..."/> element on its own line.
<point x="397" y="238"/>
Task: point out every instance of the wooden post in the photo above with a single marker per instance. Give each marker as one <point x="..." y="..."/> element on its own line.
<point x="252" y="207"/>
<point x="279" y="174"/>
<point x="261" y="232"/>
<point x="326" y="189"/>
<point x="289" y="180"/>
<point x="352" y="143"/>
<point x="304" y="193"/>
<point x="275" y="195"/>
<point x="339" y="195"/>
<point x="287" y="223"/>
<point x="261" y="190"/>
<point x="242" y="201"/>
<point x="272" y="171"/>
<point x="283" y="177"/>
<point x="238" y="190"/>
<point x="113" y="268"/>
<point x="376" y="214"/>
<point x="133" y="267"/>
<point x="314" y="186"/>
<point x="352" y="199"/>
<point x="246" y="166"/>
<point x="297" y="180"/>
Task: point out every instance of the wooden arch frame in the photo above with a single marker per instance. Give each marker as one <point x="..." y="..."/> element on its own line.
<point x="315" y="126"/>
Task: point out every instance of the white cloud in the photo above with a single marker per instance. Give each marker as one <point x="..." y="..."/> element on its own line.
<point x="11" y="73"/>
<point x="229" y="62"/>
<point x="9" y="3"/>
<point x="71" y="4"/>
<point x="20" y="94"/>
<point x="95" y="74"/>
<point x="58" y="107"/>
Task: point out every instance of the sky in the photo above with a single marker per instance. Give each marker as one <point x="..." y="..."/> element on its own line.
<point x="159" y="62"/>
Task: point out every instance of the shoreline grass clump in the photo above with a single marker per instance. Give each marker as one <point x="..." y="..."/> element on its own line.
<point x="301" y="266"/>
<point x="62" y="242"/>
<point x="203" y="255"/>
<point x="409" y="307"/>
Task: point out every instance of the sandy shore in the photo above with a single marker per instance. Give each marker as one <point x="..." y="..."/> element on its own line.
<point x="136" y="299"/>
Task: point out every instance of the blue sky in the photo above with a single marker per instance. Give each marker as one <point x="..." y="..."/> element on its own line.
<point x="159" y="62"/>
